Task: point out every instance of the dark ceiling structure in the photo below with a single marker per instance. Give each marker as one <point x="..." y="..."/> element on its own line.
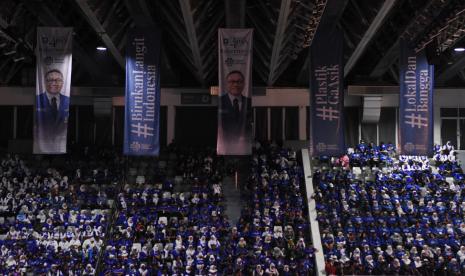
<point x="283" y="32"/>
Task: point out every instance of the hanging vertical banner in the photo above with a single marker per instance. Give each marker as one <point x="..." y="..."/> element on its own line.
<point x="53" y="83"/>
<point x="327" y="97"/>
<point x="235" y="96"/>
<point x="415" y="102"/>
<point x="142" y="103"/>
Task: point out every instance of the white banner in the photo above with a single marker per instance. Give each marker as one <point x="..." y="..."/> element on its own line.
<point x="235" y="96"/>
<point x="53" y="83"/>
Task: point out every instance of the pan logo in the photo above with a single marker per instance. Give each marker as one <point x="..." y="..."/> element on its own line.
<point x="234" y="42"/>
<point x="48" y="60"/>
<point x="229" y="62"/>
<point x="321" y="147"/>
<point x="409" y="147"/>
<point x="135" y="146"/>
<point x="54" y="41"/>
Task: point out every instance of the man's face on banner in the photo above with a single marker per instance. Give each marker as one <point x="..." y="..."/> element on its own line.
<point x="53" y="82"/>
<point x="235" y="84"/>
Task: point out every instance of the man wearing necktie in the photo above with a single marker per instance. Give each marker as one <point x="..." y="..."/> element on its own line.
<point x="52" y="105"/>
<point x="235" y="111"/>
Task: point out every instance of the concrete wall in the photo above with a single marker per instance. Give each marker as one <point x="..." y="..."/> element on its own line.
<point x="171" y="97"/>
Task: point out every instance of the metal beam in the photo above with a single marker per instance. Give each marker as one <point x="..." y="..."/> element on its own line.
<point x="304" y="71"/>
<point x="261" y="56"/>
<point x="260" y="30"/>
<point x="192" y="35"/>
<point x="178" y="33"/>
<point x="359" y="12"/>
<point x="121" y="30"/>
<point x="12" y="72"/>
<point x="266" y="11"/>
<point x="140" y="13"/>
<point x="394" y="74"/>
<point x="328" y="22"/>
<point x="347" y="38"/>
<point x="386" y="61"/>
<point x="100" y="30"/>
<point x="47" y="18"/>
<point x="235" y="13"/>
<point x="452" y="70"/>
<point x="332" y="13"/>
<point x="4" y="63"/>
<point x="141" y="17"/>
<point x="3" y="23"/>
<point x="392" y="54"/>
<point x="462" y="75"/>
<point x="212" y="31"/>
<point x="109" y="14"/>
<point x="278" y="40"/>
<point x="369" y="34"/>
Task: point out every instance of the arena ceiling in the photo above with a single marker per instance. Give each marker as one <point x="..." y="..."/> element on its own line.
<point x="284" y="29"/>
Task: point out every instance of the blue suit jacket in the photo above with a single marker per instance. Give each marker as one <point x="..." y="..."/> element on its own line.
<point x="45" y="116"/>
<point x="234" y="127"/>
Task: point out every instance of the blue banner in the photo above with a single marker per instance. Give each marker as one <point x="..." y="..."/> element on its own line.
<point x="327" y="97"/>
<point x="415" y="102"/>
<point x="142" y="104"/>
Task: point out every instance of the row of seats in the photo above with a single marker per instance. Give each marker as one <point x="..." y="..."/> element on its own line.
<point x="54" y="220"/>
<point x="403" y="219"/>
<point x="273" y="233"/>
<point x="58" y="220"/>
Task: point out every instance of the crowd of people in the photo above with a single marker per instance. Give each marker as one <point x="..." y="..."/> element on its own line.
<point x="73" y="215"/>
<point x="54" y="213"/>
<point x="273" y="233"/>
<point x="407" y="220"/>
<point x="160" y="230"/>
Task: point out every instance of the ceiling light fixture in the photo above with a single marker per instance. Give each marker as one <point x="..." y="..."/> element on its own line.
<point x="459" y="49"/>
<point x="101" y="48"/>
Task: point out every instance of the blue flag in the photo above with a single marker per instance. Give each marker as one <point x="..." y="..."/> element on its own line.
<point x="142" y="104"/>
<point x="327" y="97"/>
<point x="415" y="102"/>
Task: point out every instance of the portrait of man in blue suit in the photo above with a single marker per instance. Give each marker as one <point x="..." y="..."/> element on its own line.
<point x="236" y="109"/>
<point x="52" y="105"/>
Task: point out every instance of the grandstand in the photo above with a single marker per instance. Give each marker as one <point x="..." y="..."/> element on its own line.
<point x="234" y="137"/>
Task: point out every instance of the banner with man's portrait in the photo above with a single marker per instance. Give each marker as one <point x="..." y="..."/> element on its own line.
<point x="235" y="92"/>
<point x="53" y="83"/>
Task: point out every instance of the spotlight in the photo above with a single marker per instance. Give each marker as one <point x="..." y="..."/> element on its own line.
<point x="459" y="49"/>
<point x="101" y="48"/>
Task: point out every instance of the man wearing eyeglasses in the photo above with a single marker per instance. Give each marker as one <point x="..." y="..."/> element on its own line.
<point x="53" y="106"/>
<point x="235" y="110"/>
